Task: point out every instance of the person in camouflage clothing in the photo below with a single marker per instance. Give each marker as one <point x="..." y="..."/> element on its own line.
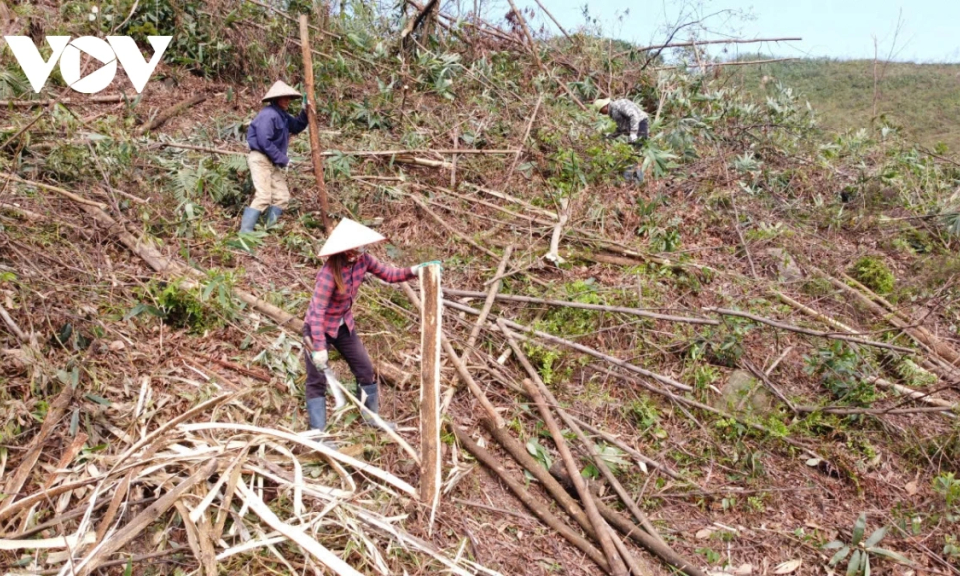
<point x="631" y="120"/>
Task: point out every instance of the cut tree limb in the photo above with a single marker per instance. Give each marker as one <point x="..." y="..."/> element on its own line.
<point x="487" y="303"/>
<point x="450" y="228"/>
<point x="528" y="500"/>
<point x="312" y="122"/>
<point x="526" y="134"/>
<point x="165" y="115"/>
<point x="60" y="191"/>
<point x="431" y="317"/>
<point x="105" y="99"/>
<point x="415" y="22"/>
<point x="526" y="32"/>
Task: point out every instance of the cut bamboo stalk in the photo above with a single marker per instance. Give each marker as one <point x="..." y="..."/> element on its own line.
<point x="537" y="390"/>
<point x="807" y="331"/>
<point x="528" y="500"/>
<point x="140" y="522"/>
<point x="431" y="313"/>
<point x="526" y="32"/>
<point x="450" y="228"/>
<point x="161" y="118"/>
<point x="526" y="134"/>
<point x="583" y="306"/>
<point x="578" y="347"/>
<point x="56" y="411"/>
<point x="462" y="371"/>
<point x="312" y="122"/>
<point x="488" y="302"/>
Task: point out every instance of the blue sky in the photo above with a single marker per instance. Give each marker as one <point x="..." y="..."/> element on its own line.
<point x="837" y="29"/>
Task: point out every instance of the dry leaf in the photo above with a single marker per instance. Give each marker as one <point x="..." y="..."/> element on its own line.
<point x="704" y="533"/>
<point x="744" y="570"/>
<point x="117" y="345"/>
<point x="911" y="487"/>
<point x="788" y="567"/>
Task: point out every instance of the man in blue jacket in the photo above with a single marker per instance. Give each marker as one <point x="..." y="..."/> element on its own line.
<point x="268" y="136"/>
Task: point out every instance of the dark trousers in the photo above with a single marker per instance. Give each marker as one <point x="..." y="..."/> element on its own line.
<point x="349" y="346"/>
<point x="644" y="131"/>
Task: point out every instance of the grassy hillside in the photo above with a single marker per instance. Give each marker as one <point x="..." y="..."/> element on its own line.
<point x="923" y="100"/>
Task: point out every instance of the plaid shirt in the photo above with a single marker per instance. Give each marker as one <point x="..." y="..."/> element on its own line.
<point x="328" y="307"/>
<point x="627" y="115"/>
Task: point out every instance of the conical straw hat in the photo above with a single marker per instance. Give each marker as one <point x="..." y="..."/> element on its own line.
<point x="349" y="235"/>
<point x="599" y="104"/>
<point x="280" y="89"/>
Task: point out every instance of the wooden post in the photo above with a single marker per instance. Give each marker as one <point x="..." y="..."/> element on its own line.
<point x="312" y="121"/>
<point x="431" y="309"/>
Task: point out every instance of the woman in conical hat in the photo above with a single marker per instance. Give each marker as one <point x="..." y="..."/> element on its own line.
<point x="329" y="320"/>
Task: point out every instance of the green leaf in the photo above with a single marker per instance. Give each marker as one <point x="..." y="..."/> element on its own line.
<point x="890" y="554"/>
<point x="866" y="565"/>
<point x="876" y="537"/>
<point x="839" y="556"/>
<point x="853" y="568"/>
<point x="140" y="309"/>
<point x="858" y="527"/>
<point x="833" y="545"/>
<point x="98" y="399"/>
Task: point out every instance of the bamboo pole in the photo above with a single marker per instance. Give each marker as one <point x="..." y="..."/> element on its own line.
<point x="581" y="305"/>
<point x="312" y="121"/>
<point x="578" y="347"/>
<point x="535" y="388"/>
<point x="431" y="311"/>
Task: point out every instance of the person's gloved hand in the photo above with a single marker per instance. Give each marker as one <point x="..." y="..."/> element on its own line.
<point x="610" y="136"/>
<point x="633" y="138"/>
<point x="417" y="268"/>
<point x="319" y="358"/>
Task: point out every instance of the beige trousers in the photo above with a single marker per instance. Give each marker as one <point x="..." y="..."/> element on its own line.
<point x="269" y="183"/>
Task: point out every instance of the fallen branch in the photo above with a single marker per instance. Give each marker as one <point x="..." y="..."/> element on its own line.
<point x="528" y="500"/>
<point x="583" y="306"/>
<point x="807" y="331"/>
<point x="416" y="21"/>
<point x="704" y="43"/>
<point x="161" y="118"/>
<point x="61" y="191"/>
<point x="559" y="27"/>
<point x="526" y="32"/>
<point x="237" y="368"/>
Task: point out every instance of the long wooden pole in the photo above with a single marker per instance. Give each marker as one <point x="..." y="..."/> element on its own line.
<point x="312" y="121"/>
<point x="431" y="309"/>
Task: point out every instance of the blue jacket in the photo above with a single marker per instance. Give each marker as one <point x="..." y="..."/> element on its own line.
<point x="270" y="131"/>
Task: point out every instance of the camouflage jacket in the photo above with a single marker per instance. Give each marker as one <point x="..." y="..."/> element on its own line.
<point x="627" y="115"/>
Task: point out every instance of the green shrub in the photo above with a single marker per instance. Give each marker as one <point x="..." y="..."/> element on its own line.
<point x="874" y="274"/>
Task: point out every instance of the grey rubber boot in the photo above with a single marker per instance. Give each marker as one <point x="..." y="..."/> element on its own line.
<point x="317" y="413"/>
<point x="249" y="219"/>
<point x="273" y="213"/>
<point x="372" y="402"/>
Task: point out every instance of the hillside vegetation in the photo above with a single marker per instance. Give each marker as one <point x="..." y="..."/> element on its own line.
<point x="751" y="358"/>
<point x="922" y="101"/>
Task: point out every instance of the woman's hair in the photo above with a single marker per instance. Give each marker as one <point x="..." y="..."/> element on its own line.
<point x="336" y="263"/>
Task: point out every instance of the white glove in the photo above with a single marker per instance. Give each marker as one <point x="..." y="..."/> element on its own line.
<point x="633" y="137"/>
<point x="319" y="358"/>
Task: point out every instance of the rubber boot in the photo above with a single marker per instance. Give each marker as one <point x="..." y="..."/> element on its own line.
<point x="249" y="219"/>
<point x="317" y="413"/>
<point x="372" y="403"/>
<point x="273" y="212"/>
